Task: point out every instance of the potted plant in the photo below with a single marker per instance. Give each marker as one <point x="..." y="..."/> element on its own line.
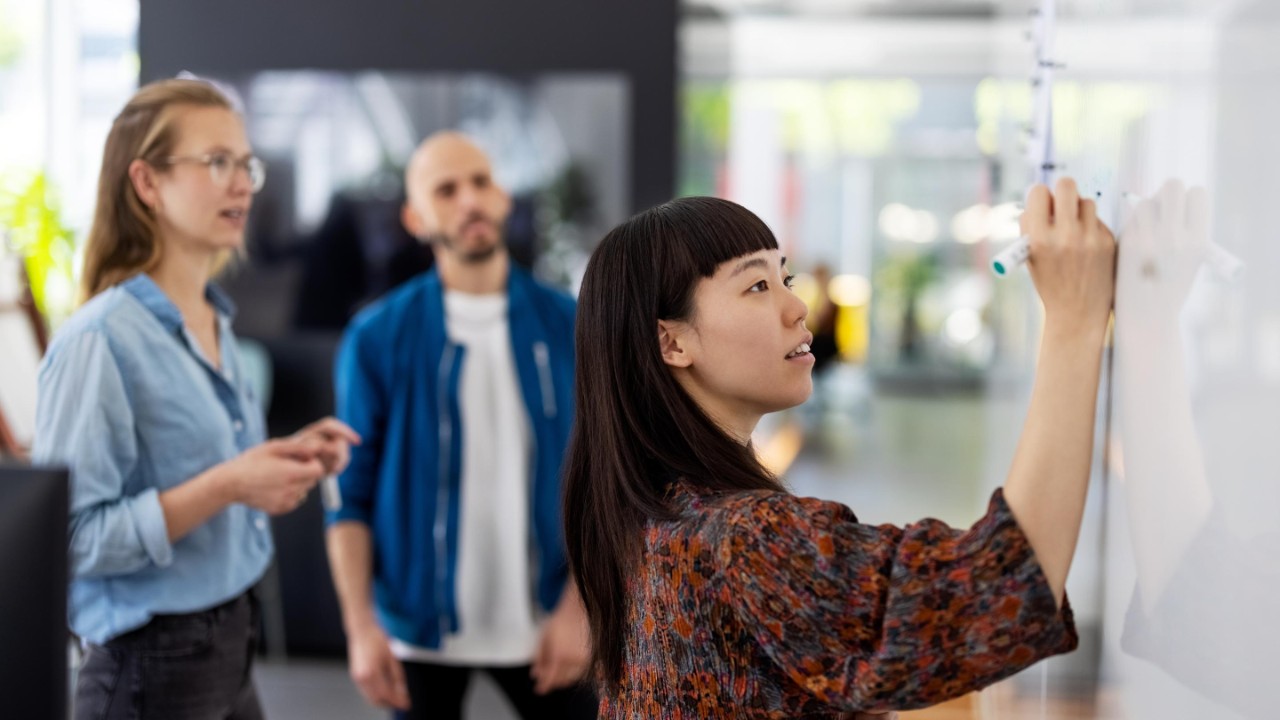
<point x="906" y="276"/>
<point x="31" y="225"/>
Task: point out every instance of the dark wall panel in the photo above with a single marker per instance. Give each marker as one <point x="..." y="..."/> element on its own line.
<point x="513" y="37"/>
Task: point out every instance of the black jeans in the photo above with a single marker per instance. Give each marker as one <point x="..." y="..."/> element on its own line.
<point x="436" y="691"/>
<point x="176" y="667"/>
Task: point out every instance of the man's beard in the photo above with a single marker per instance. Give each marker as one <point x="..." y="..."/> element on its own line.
<point x="473" y="257"/>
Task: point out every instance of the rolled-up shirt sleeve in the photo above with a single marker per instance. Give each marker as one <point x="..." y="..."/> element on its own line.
<point x="880" y="617"/>
<point x="84" y="421"/>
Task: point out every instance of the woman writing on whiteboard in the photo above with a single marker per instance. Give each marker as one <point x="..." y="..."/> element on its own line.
<point x="143" y="396"/>
<point x="714" y="593"/>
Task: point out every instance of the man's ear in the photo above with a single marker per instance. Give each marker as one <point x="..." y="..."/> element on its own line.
<point x="143" y="178"/>
<point x="412" y="222"/>
<point x="672" y="342"/>
<point x="507" y="204"/>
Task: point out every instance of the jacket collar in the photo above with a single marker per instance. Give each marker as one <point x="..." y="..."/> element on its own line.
<point x="518" y="297"/>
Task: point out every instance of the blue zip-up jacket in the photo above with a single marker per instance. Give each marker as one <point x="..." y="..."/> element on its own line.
<point x="397" y="385"/>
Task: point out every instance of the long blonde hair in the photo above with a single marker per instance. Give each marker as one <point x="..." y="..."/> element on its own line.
<point x="123" y="238"/>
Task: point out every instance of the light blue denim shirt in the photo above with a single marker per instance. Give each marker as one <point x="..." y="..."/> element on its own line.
<point x="128" y="401"/>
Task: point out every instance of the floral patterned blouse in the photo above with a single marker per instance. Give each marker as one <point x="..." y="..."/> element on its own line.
<point x="766" y="605"/>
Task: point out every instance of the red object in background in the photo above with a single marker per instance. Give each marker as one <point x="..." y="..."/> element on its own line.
<point x="792" y="191"/>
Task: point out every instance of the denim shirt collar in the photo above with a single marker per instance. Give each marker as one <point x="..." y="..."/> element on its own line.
<point x="147" y="292"/>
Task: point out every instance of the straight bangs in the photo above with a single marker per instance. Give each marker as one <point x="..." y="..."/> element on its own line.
<point x="714" y="231"/>
<point x="693" y="236"/>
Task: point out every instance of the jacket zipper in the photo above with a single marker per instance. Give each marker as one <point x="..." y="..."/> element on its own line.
<point x="543" y="358"/>
<point x="440" y="531"/>
<point x="535" y="550"/>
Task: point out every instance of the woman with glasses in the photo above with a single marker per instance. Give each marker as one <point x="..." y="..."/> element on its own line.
<point x="143" y="396"/>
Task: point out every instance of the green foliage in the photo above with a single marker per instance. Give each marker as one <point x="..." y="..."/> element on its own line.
<point x="704" y="136"/>
<point x="908" y="274"/>
<point x="706" y="113"/>
<point x="31" y="220"/>
<point x="10" y="40"/>
<point x="904" y="277"/>
<point x="568" y="197"/>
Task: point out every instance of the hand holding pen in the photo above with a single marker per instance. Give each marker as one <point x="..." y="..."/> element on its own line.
<point x="1074" y="257"/>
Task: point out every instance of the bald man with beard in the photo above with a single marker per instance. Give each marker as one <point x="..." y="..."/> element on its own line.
<point x="445" y="536"/>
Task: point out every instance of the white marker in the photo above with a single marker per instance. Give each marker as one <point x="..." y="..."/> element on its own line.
<point x="1011" y="257"/>
<point x="1223" y="264"/>
<point x="330" y="496"/>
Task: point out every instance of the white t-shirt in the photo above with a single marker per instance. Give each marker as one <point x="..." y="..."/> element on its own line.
<point x="496" y="623"/>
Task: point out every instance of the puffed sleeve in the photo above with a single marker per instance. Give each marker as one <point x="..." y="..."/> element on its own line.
<point x="881" y="617"/>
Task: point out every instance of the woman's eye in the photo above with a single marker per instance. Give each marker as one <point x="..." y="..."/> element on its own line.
<point x="220" y="163"/>
<point x="789" y="282"/>
<point x="761" y="286"/>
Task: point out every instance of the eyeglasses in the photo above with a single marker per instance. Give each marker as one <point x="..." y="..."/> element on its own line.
<point x="222" y="167"/>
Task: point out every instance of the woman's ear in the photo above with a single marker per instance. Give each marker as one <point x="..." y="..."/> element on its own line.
<point x="672" y="343"/>
<point x="143" y="178"/>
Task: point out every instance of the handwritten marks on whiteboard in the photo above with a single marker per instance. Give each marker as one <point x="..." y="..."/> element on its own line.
<point x="1040" y="148"/>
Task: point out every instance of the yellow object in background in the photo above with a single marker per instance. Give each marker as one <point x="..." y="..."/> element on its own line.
<point x="853" y="332"/>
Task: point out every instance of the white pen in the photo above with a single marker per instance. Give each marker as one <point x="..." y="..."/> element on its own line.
<point x="330" y="496"/>
<point x="1011" y="257"/>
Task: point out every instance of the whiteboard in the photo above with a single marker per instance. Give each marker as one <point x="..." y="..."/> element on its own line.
<point x="1169" y="112"/>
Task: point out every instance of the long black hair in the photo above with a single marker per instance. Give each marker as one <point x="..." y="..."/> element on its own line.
<point x="636" y="429"/>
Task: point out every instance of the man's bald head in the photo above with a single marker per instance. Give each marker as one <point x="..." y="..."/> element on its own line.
<point x="439" y="150"/>
<point x="452" y="200"/>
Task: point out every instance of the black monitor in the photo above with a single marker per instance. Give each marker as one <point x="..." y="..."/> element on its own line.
<point x="33" y="591"/>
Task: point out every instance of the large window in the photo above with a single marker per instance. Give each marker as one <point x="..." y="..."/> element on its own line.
<point x="66" y="68"/>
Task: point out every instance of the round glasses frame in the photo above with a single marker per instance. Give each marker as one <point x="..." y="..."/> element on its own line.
<point x="222" y="167"/>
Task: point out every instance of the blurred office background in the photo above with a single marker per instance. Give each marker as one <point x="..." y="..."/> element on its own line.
<point x="884" y="141"/>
